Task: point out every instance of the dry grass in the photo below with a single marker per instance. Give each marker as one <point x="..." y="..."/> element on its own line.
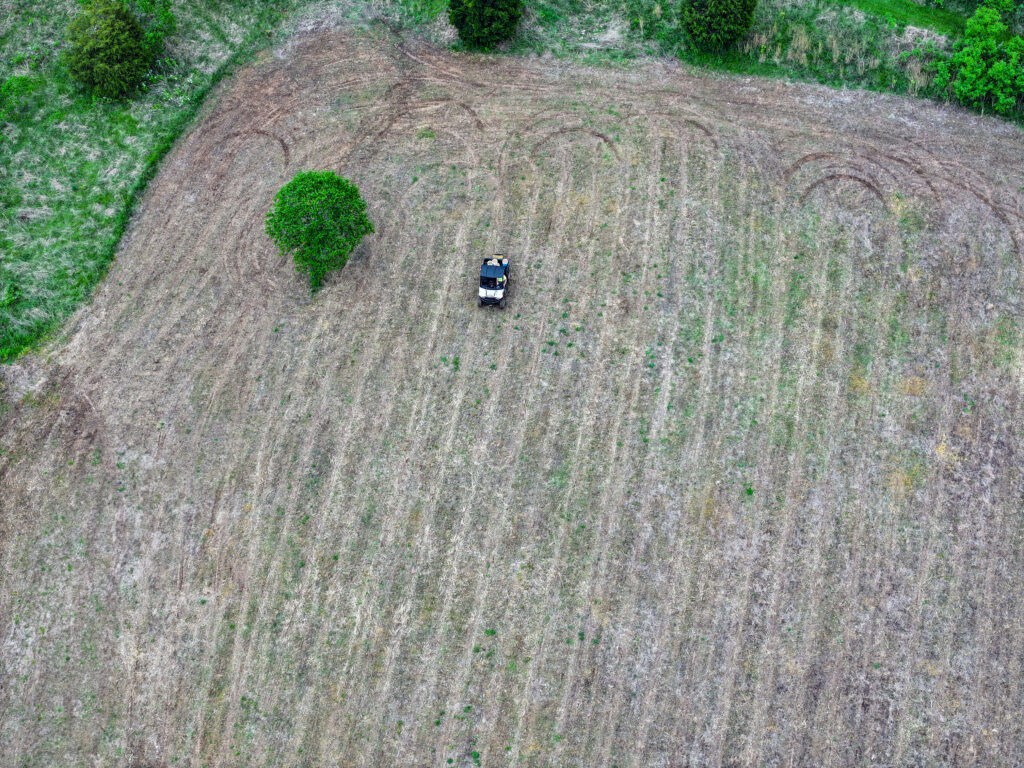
<point x="734" y="480"/>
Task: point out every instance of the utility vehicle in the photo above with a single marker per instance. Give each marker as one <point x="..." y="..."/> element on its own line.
<point x="495" y="275"/>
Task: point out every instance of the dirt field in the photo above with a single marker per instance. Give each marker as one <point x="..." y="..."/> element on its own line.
<point x="736" y="479"/>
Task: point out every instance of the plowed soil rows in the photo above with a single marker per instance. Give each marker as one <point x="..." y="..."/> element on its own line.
<point x="736" y="479"/>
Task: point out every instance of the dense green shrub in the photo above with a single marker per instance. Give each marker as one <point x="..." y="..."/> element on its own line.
<point x="484" y="23"/>
<point x="108" y="51"/>
<point x="986" y="70"/>
<point x="319" y="218"/>
<point x="712" y="25"/>
<point x="1014" y="15"/>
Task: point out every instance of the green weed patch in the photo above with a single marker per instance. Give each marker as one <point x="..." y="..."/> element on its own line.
<point x="905" y="12"/>
<point x="74" y="166"/>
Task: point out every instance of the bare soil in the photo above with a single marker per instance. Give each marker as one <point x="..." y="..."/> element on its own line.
<point x="736" y="478"/>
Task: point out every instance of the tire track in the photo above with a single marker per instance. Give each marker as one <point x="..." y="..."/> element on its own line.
<point x="665" y="382"/>
<point x="416" y="416"/>
<point x="771" y="647"/>
<point x="418" y="411"/>
<point x="363" y="479"/>
<point x="613" y="494"/>
<point x="582" y="432"/>
<point x="827" y="711"/>
<point x="546" y="255"/>
<point x="244" y="663"/>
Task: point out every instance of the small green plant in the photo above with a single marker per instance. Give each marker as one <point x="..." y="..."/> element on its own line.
<point x="714" y="25"/>
<point x="18" y="97"/>
<point x="159" y="23"/>
<point x="319" y="218"/>
<point x="8" y="288"/>
<point x="986" y="70"/>
<point x="108" y="52"/>
<point x="485" y="23"/>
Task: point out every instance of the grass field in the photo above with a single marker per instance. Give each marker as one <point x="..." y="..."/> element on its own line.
<point x="734" y="480"/>
<point x="72" y="169"/>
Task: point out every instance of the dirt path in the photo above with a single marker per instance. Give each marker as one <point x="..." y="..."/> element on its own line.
<point x="734" y="480"/>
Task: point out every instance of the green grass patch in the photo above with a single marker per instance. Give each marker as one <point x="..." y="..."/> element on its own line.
<point x="73" y="167"/>
<point x="422" y="11"/>
<point x="905" y="12"/>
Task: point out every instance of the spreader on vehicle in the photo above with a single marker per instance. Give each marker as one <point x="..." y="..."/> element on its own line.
<point x="495" y="275"/>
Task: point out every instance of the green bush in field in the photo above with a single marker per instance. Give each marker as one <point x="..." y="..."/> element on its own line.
<point x="319" y="218"/>
<point x="108" y="51"/>
<point x="485" y="23"/>
<point x="986" y="70"/>
<point x="713" y="25"/>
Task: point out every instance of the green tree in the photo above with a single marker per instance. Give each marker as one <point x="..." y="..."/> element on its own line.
<point x="713" y="25"/>
<point x="318" y="217"/>
<point x="986" y="70"/>
<point x="108" y="51"/>
<point x="484" y="23"/>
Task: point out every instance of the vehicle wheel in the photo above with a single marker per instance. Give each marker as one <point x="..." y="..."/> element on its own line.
<point x="479" y="302"/>
<point x="501" y="304"/>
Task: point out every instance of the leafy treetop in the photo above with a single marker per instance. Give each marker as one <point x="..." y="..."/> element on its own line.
<point x="986" y="69"/>
<point x="713" y="25"/>
<point x="318" y="217"/>
<point x="108" y="51"/>
<point x="484" y="23"/>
